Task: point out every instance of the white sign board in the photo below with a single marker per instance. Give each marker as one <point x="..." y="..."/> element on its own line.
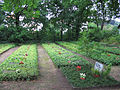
<point x="98" y="66"/>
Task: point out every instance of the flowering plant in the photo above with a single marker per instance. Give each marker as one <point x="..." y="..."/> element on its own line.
<point x="95" y="72"/>
<point x="69" y="61"/>
<point x="78" y="68"/>
<point x="18" y="70"/>
<point x="82" y="76"/>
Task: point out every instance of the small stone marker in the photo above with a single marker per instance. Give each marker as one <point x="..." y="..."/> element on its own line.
<point x="98" y="66"/>
<point x="13" y="63"/>
<point x="8" y="71"/>
<point x="66" y="53"/>
<point x="77" y="61"/>
<point x="71" y="56"/>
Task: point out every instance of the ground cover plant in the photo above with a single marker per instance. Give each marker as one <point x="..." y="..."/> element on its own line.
<point x="110" y="49"/>
<point x="62" y="57"/>
<point x="4" y="47"/>
<point x="79" y="74"/>
<point x="85" y="78"/>
<point x="72" y="46"/>
<point x="21" y="65"/>
<point x="95" y="53"/>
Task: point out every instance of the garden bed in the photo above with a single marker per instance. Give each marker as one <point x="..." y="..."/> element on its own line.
<point x="5" y="47"/>
<point x="73" y="67"/>
<point x="98" y="55"/>
<point x="21" y="65"/>
<point x="62" y="57"/>
<point x="90" y="80"/>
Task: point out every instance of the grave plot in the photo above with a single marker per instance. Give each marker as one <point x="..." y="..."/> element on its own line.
<point x="21" y="65"/>
<point x="4" y="47"/>
<point x="78" y="71"/>
<point x="82" y="76"/>
<point x="110" y="49"/>
<point x="98" y="55"/>
<point x="62" y="57"/>
<point x="72" y="46"/>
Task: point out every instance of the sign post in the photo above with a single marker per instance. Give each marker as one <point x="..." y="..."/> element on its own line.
<point x="98" y="66"/>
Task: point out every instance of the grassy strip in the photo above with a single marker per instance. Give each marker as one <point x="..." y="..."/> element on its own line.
<point x="62" y="57"/>
<point x="21" y="65"/>
<point x="4" y="47"/>
<point x="97" y="55"/>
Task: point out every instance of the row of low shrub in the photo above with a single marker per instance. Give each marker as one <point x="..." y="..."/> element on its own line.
<point x="21" y="65"/>
<point x="94" y="53"/>
<point x="62" y="57"/>
<point x="77" y="70"/>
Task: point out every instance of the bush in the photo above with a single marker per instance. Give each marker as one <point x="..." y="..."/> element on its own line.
<point x="18" y="35"/>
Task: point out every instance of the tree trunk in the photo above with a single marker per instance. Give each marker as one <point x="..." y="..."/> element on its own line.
<point x="102" y="25"/>
<point x="54" y="36"/>
<point x="61" y="33"/>
<point x="77" y="32"/>
<point x="97" y="26"/>
<point x="17" y="20"/>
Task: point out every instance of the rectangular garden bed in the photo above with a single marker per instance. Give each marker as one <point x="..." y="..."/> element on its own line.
<point x="98" y="55"/>
<point x="73" y="66"/>
<point x="21" y="65"/>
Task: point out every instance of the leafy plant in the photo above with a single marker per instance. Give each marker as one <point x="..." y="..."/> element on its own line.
<point x="95" y="72"/>
<point x="107" y="70"/>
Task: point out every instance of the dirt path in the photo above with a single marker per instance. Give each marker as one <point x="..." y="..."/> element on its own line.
<point x="50" y="78"/>
<point x="115" y="70"/>
<point x="4" y="55"/>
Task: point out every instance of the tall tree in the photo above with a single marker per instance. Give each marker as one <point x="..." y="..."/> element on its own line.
<point x="2" y="14"/>
<point x="20" y="7"/>
<point x="103" y="11"/>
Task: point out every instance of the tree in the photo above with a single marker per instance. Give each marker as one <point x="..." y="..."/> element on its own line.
<point x="19" y="8"/>
<point x="2" y="14"/>
<point x="80" y="13"/>
<point x="103" y="11"/>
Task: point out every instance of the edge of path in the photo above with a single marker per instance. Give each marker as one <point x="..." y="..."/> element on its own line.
<point x="7" y="53"/>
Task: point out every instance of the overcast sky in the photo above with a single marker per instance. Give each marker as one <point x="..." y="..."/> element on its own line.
<point x="117" y="19"/>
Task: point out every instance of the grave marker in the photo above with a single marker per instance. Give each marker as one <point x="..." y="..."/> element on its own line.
<point x="98" y="66"/>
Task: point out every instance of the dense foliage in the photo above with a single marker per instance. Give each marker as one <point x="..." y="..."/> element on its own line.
<point x="59" y="19"/>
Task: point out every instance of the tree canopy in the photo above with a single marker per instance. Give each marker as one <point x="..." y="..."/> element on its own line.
<point x="58" y="17"/>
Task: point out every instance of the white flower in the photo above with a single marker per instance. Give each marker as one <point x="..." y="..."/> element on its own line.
<point x="83" y="74"/>
<point x="18" y="70"/>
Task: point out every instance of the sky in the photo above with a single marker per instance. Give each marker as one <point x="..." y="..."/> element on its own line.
<point x="117" y="19"/>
